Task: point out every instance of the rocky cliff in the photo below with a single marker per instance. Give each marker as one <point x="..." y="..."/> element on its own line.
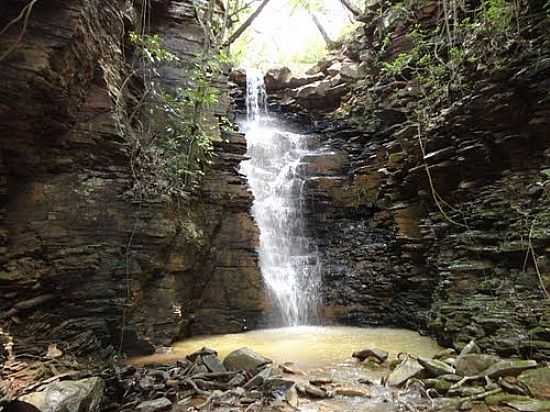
<point x="85" y="263"/>
<point x="430" y="201"/>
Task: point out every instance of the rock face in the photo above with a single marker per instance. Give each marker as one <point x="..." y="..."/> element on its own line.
<point x="82" y="261"/>
<point x="439" y="222"/>
<point x="70" y="396"/>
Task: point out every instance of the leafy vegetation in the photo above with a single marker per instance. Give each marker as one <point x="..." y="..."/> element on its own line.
<point x="172" y="131"/>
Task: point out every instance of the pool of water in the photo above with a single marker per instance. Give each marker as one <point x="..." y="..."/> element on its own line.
<point x="305" y="346"/>
<point x="320" y="352"/>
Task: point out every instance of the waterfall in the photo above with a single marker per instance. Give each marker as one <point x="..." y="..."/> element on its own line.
<point x="275" y="172"/>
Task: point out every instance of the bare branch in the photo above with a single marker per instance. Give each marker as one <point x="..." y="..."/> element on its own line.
<point x="351" y="7"/>
<point x="246" y="23"/>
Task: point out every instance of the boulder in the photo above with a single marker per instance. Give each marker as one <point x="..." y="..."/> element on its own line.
<point x="351" y="71"/>
<point x="68" y="396"/>
<point x="244" y="358"/>
<point x="436" y="367"/>
<point x="277" y="79"/>
<point x="379" y="354"/>
<point x="313" y="90"/>
<point x="320" y="67"/>
<point x="508" y="367"/>
<point x="473" y="364"/>
<point x="407" y="369"/>
<point x="299" y="81"/>
<point x="238" y="76"/>
<point x="537" y="381"/>
<point x="334" y="68"/>
<point x="160" y="404"/>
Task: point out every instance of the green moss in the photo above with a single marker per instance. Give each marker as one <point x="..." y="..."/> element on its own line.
<point x="502" y="397"/>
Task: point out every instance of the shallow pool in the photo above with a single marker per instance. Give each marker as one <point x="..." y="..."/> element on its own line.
<point x="305" y="346"/>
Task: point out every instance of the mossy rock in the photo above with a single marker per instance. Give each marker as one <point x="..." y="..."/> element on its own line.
<point x="500" y="398"/>
<point x="537" y="381"/>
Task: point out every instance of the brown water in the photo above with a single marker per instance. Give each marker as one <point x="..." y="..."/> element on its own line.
<point x="305" y="346"/>
<point x="318" y="351"/>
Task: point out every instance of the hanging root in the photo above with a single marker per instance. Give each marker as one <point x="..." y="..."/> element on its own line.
<point x="25" y="15"/>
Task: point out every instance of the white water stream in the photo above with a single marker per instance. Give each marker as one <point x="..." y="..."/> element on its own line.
<point x="288" y="261"/>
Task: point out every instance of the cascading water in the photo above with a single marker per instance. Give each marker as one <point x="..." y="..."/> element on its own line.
<point x="288" y="261"/>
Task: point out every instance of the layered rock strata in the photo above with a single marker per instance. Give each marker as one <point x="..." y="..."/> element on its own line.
<point x="438" y="224"/>
<point x="84" y="264"/>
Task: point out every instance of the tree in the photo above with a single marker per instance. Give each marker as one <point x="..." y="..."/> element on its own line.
<point x="313" y="8"/>
<point x="351" y="7"/>
<point x="237" y="33"/>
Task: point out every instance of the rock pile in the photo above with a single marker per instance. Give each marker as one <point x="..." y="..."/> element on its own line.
<point x="244" y="380"/>
<point x="475" y="381"/>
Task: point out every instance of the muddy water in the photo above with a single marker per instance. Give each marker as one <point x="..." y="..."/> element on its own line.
<point x="316" y="351"/>
<point x="306" y="346"/>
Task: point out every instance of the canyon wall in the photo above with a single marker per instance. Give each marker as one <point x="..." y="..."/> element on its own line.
<point x="430" y="203"/>
<point x="85" y="263"/>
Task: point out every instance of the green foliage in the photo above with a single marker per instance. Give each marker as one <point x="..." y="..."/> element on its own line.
<point x="500" y="13"/>
<point x="150" y="49"/>
<point x="311" y="54"/>
<point x="396" y="66"/>
<point x="173" y="138"/>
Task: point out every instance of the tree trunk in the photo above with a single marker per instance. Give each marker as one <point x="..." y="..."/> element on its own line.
<point x="247" y="23"/>
<point x="351" y="7"/>
<point x="321" y="29"/>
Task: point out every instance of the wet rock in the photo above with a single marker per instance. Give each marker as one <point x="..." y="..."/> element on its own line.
<point x="312" y="391"/>
<point x="367" y="381"/>
<point x="470" y="348"/>
<point x="537" y="382"/>
<point x="466" y="391"/>
<point x="320" y="381"/>
<point x="352" y="392"/>
<point x="529" y="405"/>
<point x="259" y="378"/>
<point x="508" y="368"/>
<point x="379" y="354"/>
<point x="473" y="364"/>
<point x="244" y="358"/>
<point x="440" y="385"/>
<point x="436" y="367"/>
<point x="511" y="385"/>
<point x="409" y="368"/>
<point x="68" y="396"/>
<point x="203" y="352"/>
<point x="445" y="353"/>
<point x="291" y="370"/>
<point x="281" y="389"/>
<point x="156" y="405"/>
<point x="213" y="363"/>
<point x="451" y="378"/>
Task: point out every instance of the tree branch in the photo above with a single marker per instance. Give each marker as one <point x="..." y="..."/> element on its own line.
<point x="351" y="7"/>
<point x="246" y="23"/>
